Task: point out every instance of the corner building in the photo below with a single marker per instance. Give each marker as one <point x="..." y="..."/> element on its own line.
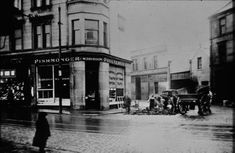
<point x="92" y="78"/>
<point x="222" y="52"/>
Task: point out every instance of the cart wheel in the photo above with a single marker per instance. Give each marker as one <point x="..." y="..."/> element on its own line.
<point x="182" y="109"/>
<point x="204" y="105"/>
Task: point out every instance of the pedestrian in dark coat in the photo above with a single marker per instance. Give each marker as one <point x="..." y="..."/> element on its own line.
<point x="42" y="132"/>
<point x="151" y="102"/>
<point x="127" y="102"/>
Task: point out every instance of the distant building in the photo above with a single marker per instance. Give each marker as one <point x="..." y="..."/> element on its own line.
<point x="157" y="69"/>
<point x="200" y="66"/>
<point x="92" y="78"/>
<point x="149" y="72"/>
<point x="222" y="52"/>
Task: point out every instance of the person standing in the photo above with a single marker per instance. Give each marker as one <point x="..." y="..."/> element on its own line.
<point x="151" y="102"/>
<point x="42" y="132"/>
<point x="127" y="102"/>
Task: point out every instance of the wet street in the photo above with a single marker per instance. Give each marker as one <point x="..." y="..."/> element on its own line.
<point x="122" y="133"/>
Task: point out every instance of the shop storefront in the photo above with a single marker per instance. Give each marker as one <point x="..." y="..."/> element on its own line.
<point x="89" y="80"/>
<point x="15" y="80"/>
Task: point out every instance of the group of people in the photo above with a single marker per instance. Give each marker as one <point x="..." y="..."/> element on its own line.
<point x="162" y="102"/>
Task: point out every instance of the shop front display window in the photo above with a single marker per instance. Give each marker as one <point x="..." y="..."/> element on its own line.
<point x="45" y="82"/>
<point x="116" y="84"/>
<point x="48" y="84"/>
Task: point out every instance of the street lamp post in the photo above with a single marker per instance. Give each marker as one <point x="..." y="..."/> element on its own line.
<point x="60" y="70"/>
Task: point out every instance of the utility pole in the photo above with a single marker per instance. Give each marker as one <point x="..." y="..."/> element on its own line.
<point x="60" y="69"/>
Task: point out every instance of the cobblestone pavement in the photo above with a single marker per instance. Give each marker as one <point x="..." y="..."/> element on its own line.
<point x="138" y="134"/>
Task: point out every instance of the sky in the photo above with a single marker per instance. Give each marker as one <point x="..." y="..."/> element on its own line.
<point x="177" y="24"/>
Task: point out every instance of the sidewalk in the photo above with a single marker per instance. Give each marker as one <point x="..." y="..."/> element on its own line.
<point x="85" y="112"/>
<point x="141" y="105"/>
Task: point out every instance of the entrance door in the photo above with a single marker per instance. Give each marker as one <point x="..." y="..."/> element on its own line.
<point x="138" y="88"/>
<point x="92" y="85"/>
<point x="156" y="87"/>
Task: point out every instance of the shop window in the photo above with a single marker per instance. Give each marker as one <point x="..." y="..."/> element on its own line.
<point x="42" y="36"/>
<point x="48" y="82"/>
<point x="91" y="32"/>
<point x="75" y="32"/>
<point x="45" y="82"/>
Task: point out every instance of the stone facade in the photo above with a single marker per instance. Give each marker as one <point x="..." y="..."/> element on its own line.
<point x="222" y="53"/>
<point x="85" y="55"/>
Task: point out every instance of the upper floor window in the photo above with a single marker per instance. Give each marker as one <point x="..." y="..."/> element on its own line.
<point x="135" y="65"/>
<point x="91" y="32"/>
<point x="155" y="62"/>
<point x="199" y="63"/>
<point x="145" y="63"/>
<point x="42" y="36"/>
<point x="40" y="3"/>
<point x="18" y="4"/>
<point x="222" y="25"/>
<point x="75" y="32"/>
<point x="105" y="35"/>
<point x="230" y="51"/>
<point x="18" y="39"/>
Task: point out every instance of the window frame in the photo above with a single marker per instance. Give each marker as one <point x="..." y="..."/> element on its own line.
<point x="74" y="31"/>
<point x="92" y="30"/>
<point x="18" y="4"/>
<point x="44" y="42"/>
<point x="222" y="25"/>
<point x="199" y="63"/>
<point x="20" y="38"/>
<point x="105" y="34"/>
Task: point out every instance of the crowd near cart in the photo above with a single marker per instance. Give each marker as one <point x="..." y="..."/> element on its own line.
<point x="174" y="101"/>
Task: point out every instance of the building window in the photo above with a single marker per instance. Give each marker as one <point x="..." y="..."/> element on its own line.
<point x="91" y="32"/>
<point x="222" y="25"/>
<point x="105" y="35"/>
<point x="47" y="35"/>
<point x="145" y="63"/>
<point x="155" y="64"/>
<point x="18" y="4"/>
<point x="199" y="63"/>
<point x="36" y="4"/>
<point x="48" y="82"/>
<point x="222" y="53"/>
<point x="42" y="37"/>
<point x="75" y="32"/>
<point x="18" y="39"/>
<point x="135" y="65"/>
<point x="230" y="51"/>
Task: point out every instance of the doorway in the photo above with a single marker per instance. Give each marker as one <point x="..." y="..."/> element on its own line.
<point x="138" y="88"/>
<point x="92" y="85"/>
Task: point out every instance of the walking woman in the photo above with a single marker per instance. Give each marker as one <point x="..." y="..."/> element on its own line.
<point x="42" y="132"/>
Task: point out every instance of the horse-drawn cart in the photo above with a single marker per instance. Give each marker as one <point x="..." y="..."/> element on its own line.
<point x="187" y="102"/>
<point x="202" y="98"/>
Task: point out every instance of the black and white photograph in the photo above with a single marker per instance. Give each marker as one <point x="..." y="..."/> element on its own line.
<point x="117" y="76"/>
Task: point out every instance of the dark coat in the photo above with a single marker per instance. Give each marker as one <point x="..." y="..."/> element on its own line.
<point x="42" y="131"/>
